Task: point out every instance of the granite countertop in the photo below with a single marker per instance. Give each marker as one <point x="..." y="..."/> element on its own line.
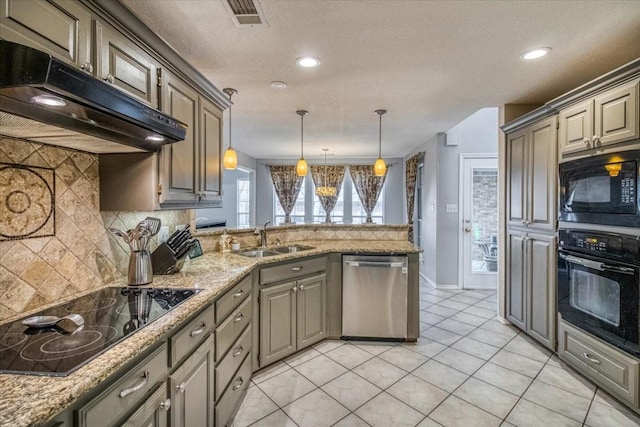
<point x="31" y="400"/>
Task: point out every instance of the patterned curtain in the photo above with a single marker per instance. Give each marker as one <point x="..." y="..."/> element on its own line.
<point x="287" y="184"/>
<point x="334" y="177"/>
<point x="411" y="175"/>
<point x="368" y="186"/>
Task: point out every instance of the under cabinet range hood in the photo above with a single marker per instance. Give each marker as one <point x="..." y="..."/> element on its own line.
<point x="46" y="100"/>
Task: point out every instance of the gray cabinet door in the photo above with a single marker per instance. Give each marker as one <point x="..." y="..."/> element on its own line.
<point x="192" y="389"/>
<point x="178" y="165"/>
<point x="516" y="279"/>
<point x="542" y="177"/>
<point x="517" y="178"/>
<point x="61" y="28"/>
<point x="312" y="310"/>
<point x="616" y="115"/>
<point x="575" y="127"/>
<point x="541" y="288"/>
<point x="126" y="66"/>
<point x="277" y="322"/>
<point x="154" y="412"/>
<point x="210" y="149"/>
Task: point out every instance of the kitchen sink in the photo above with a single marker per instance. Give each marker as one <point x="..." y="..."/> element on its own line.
<point x="258" y="253"/>
<point x="291" y="249"/>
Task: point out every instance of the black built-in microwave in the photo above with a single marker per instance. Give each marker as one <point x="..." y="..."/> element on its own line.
<point x="601" y="189"/>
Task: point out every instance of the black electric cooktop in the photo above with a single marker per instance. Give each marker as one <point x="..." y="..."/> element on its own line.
<point x="110" y="315"/>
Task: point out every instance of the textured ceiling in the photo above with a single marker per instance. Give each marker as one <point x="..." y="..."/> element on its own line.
<point x="429" y="63"/>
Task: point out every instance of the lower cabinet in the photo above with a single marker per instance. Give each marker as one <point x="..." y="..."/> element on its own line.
<point x="292" y="317"/>
<point x="192" y="388"/>
<point x="531" y="289"/>
<point x="154" y="412"/>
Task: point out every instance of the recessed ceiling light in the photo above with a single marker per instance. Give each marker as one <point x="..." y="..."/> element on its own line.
<point x="49" y="100"/>
<point x="155" y="138"/>
<point x="278" y="85"/>
<point x="308" y="62"/>
<point x="535" y="53"/>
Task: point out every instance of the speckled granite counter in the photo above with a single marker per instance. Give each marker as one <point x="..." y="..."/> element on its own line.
<point x="31" y="400"/>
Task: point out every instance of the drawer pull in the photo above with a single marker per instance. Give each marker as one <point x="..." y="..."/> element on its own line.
<point x="296" y="268"/>
<point x="238" y="294"/>
<point x="238" y="351"/>
<point x="166" y="405"/>
<point x="238" y="383"/>
<point x="181" y="387"/>
<point x="199" y="331"/>
<point x="238" y="318"/>
<point x="128" y="391"/>
<point x="591" y="359"/>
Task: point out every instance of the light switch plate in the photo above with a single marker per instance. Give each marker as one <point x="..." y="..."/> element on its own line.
<point x="451" y="208"/>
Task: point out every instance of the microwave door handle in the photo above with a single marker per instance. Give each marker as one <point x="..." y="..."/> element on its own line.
<point x="623" y="270"/>
<point x="583" y="262"/>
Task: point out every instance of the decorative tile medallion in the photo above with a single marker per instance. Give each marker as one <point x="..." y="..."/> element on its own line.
<point x="27" y="202"/>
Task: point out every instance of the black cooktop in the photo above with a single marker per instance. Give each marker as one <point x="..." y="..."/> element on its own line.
<point x="110" y="315"/>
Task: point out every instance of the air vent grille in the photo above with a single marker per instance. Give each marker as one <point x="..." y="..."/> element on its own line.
<point x="245" y="12"/>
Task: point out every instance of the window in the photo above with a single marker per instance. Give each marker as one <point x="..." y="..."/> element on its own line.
<point x="337" y="214"/>
<point x="244" y="202"/>
<point x="359" y="215"/>
<point x="297" y="214"/>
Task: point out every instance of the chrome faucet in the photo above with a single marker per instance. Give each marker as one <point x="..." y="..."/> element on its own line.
<point x="263" y="234"/>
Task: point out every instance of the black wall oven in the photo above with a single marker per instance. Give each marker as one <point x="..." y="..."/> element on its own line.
<point x="601" y="190"/>
<point x="598" y="285"/>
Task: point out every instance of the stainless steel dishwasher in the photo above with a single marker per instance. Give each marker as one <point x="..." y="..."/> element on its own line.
<point x="374" y="297"/>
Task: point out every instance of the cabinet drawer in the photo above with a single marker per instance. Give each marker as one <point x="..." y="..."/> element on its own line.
<point x="191" y="335"/>
<point x="230" y="363"/>
<point x="127" y="392"/>
<point x="232" y="327"/>
<point x="232" y="299"/>
<point x="232" y="399"/>
<point x="292" y="270"/>
<point x="612" y="369"/>
<point x="153" y="412"/>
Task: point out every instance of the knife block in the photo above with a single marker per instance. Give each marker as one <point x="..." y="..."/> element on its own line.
<point x="164" y="262"/>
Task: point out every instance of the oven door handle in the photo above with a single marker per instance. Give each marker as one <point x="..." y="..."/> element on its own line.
<point x="623" y="270"/>
<point x="581" y="261"/>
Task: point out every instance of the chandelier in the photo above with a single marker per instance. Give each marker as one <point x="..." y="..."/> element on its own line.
<point x="325" y="190"/>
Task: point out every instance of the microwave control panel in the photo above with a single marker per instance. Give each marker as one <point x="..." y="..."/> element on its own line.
<point x="627" y="188"/>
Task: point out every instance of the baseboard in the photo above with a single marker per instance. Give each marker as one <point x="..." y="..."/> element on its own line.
<point x="502" y="320"/>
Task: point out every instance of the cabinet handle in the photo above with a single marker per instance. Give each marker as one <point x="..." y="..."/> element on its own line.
<point x="523" y="222"/>
<point x="128" y="391"/>
<point x="166" y="405"/>
<point x="596" y="139"/>
<point x="238" y="318"/>
<point x="301" y="287"/>
<point x="199" y="331"/>
<point x="109" y="79"/>
<point x="238" y="294"/>
<point x="591" y="359"/>
<point x="181" y="387"/>
<point x="87" y="67"/>
<point x="296" y="268"/>
<point x="294" y="289"/>
<point x="586" y="141"/>
<point x="238" y="351"/>
<point x="238" y="383"/>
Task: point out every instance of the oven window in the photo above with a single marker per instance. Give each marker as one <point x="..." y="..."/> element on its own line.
<point x="596" y="295"/>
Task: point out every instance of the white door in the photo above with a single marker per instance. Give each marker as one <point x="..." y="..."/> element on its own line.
<point x="479" y="222"/>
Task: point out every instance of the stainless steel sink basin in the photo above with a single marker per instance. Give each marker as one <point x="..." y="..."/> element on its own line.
<point x="258" y="253"/>
<point x="291" y="249"/>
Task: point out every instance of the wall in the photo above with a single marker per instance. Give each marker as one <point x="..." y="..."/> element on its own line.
<point x="82" y="254"/>
<point x="393" y="187"/>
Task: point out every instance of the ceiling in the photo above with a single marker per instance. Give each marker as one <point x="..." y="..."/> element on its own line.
<point x="429" y="63"/>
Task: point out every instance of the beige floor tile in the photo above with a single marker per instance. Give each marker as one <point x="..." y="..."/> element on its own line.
<point x="417" y="393"/>
<point x="525" y="346"/>
<point x="485" y="396"/>
<point x="255" y="406"/>
<point x="321" y="370"/>
<point x="469" y="319"/>
<point x="488" y="305"/>
<point x="440" y="375"/>
<point x="286" y="387"/>
<point x="328" y="345"/>
<point x="481" y="312"/>
<point x="351" y="420"/>
<point x="515" y="362"/>
<point x="441" y="311"/>
<point x="455" y="326"/>
<point x="349" y="356"/>
<point x="316" y="409"/>
<point x="440" y="335"/>
<point x="476" y="348"/>
<point x="496" y="327"/>
<point x="428" y="422"/>
<point x="567" y="379"/>
<point x="403" y="358"/>
<point x="380" y="372"/>
<point x="504" y="378"/>
<point x="607" y="415"/>
<point x="489" y="337"/>
<point x="385" y="410"/>
<point x="455" y="305"/>
<point x="527" y="414"/>
<point x="455" y="412"/>
<point x="464" y="298"/>
<point x="351" y="390"/>
<point x="278" y="419"/>
<point x="302" y="357"/>
<point x="458" y="360"/>
<point x="270" y="372"/>
<point x="558" y="400"/>
<point x="434" y="299"/>
<point x="430" y="318"/>
<point x="374" y="347"/>
<point x="425" y="347"/>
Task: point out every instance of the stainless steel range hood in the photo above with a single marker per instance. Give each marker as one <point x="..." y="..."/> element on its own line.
<point x="45" y="100"/>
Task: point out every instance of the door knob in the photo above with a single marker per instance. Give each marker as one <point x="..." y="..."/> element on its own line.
<point x="467" y="230"/>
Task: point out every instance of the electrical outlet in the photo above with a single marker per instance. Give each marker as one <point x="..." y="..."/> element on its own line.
<point x="163" y="234"/>
<point x="451" y="208"/>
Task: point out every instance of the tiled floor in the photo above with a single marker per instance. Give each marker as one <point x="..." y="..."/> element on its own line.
<point x="467" y="369"/>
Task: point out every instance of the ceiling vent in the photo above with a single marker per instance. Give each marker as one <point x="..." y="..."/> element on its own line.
<point x="245" y="12"/>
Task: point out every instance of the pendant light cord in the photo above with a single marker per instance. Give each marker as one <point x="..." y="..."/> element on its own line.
<point x="380" y="138"/>
<point x="302" y="136"/>
<point x="229" y="122"/>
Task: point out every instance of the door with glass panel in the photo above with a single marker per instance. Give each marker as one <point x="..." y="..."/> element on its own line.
<point x="479" y="222"/>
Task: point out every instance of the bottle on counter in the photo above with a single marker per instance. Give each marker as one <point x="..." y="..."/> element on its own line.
<point x="235" y="245"/>
<point x="225" y="242"/>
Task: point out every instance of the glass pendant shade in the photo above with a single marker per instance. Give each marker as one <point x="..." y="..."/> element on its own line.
<point x="380" y="168"/>
<point x="230" y="159"/>
<point x="302" y="168"/>
<point x="326" y="191"/>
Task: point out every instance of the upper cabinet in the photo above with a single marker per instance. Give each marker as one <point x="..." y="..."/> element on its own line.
<point x="609" y="118"/>
<point x="61" y="28"/>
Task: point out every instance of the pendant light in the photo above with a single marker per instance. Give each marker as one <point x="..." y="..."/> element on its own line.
<point x="324" y="190"/>
<point x="380" y="168"/>
<point x="230" y="157"/>
<point x="301" y="167"/>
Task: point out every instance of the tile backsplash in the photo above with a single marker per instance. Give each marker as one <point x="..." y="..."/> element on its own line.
<point x="82" y="254"/>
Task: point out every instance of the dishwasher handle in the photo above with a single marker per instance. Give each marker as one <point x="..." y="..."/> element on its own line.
<point x="380" y="264"/>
